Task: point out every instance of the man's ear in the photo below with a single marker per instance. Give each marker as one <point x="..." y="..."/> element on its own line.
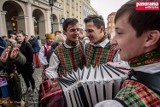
<point x="102" y="29"/>
<point x="64" y="32"/>
<point x="152" y="38"/>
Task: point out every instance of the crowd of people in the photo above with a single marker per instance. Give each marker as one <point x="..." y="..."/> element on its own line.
<point x="21" y="64"/>
<point x="136" y="45"/>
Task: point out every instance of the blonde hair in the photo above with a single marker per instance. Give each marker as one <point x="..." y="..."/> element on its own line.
<point x="11" y="42"/>
<point x="59" y="38"/>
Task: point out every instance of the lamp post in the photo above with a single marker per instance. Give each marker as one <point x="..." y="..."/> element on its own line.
<point x="51" y="3"/>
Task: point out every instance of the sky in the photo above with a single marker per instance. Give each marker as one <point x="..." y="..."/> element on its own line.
<point x="105" y="7"/>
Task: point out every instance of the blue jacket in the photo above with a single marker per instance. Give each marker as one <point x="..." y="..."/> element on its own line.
<point x="2" y="47"/>
<point x="35" y="45"/>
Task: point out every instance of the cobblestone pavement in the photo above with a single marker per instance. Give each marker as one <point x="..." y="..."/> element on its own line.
<point x="32" y="101"/>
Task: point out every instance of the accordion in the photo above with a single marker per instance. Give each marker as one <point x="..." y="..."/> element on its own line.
<point x="88" y="86"/>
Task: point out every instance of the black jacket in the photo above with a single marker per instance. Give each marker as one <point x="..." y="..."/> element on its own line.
<point x="27" y="51"/>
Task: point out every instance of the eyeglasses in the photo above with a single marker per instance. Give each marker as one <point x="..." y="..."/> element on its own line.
<point x="73" y="30"/>
<point x="89" y="30"/>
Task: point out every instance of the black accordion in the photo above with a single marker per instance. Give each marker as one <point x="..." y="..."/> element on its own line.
<point x="86" y="87"/>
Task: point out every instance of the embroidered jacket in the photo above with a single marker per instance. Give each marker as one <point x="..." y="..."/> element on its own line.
<point x="135" y="94"/>
<point x="144" y="90"/>
<point x="98" y="55"/>
<point x="70" y="58"/>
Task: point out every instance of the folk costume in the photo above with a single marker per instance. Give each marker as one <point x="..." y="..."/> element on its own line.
<point x="44" y="49"/>
<point x="142" y="88"/>
<point x="100" y="53"/>
<point x="64" y="59"/>
<point x="43" y="55"/>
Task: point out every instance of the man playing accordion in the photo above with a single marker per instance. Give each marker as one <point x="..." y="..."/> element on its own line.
<point x="137" y="38"/>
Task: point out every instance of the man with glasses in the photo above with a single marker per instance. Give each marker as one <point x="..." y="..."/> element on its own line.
<point x="68" y="55"/>
<point x="99" y="50"/>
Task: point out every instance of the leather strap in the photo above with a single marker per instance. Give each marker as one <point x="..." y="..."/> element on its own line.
<point x="150" y="80"/>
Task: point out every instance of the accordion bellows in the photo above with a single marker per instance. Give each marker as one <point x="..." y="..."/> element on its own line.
<point x="86" y="87"/>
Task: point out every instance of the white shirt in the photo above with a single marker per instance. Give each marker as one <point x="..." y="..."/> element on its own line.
<point x="51" y="71"/>
<point x="41" y="56"/>
<point x="85" y="40"/>
<point x="150" y="68"/>
<point x="102" y="44"/>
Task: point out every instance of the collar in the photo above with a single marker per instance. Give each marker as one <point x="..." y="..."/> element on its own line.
<point x="145" y="59"/>
<point x="102" y="44"/>
<point x="67" y="46"/>
<point x="151" y="68"/>
<point x="47" y="45"/>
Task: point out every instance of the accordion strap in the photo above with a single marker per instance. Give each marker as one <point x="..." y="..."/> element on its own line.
<point x="150" y="80"/>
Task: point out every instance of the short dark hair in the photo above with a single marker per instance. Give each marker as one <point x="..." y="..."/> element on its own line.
<point x="97" y="20"/>
<point x="69" y="21"/>
<point x="141" y="21"/>
<point x="108" y="36"/>
<point x="21" y="32"/>
<point x="57" y="32"/>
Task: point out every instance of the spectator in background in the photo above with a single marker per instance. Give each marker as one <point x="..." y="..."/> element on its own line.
<point x="38" y="37"/>
<point x="59" y="37"/>
<point x="9" y="58"/>
<point x="39" y="41"/>
<point x="26" y="70"/>
<point x="12" y="36"/>
<point x="2" y="44"/>
<point x="35" y="46"/>
<point x="27" y="38"/>
<point x="58" y="40"/>
<point x="44" y="50"/>
<point x="82" y="36"/>
<point x="58" y="32"/>
<point x="2" y="47"/>
<point x="109" y="36"/>
<point x="4" y="37"/>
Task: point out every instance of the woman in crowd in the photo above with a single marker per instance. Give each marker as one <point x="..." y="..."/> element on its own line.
<point x="9" y="58"/>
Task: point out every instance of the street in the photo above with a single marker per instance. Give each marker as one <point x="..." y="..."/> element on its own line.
<point x="32" y="101"/>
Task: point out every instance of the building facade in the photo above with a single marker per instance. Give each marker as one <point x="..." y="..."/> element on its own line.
<point x="34" y="16"/>
<point x="110" y="24"/>
<point x="77" y="9"/>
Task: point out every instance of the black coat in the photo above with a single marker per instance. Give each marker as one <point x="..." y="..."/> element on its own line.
<point x="27" y="51"/>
